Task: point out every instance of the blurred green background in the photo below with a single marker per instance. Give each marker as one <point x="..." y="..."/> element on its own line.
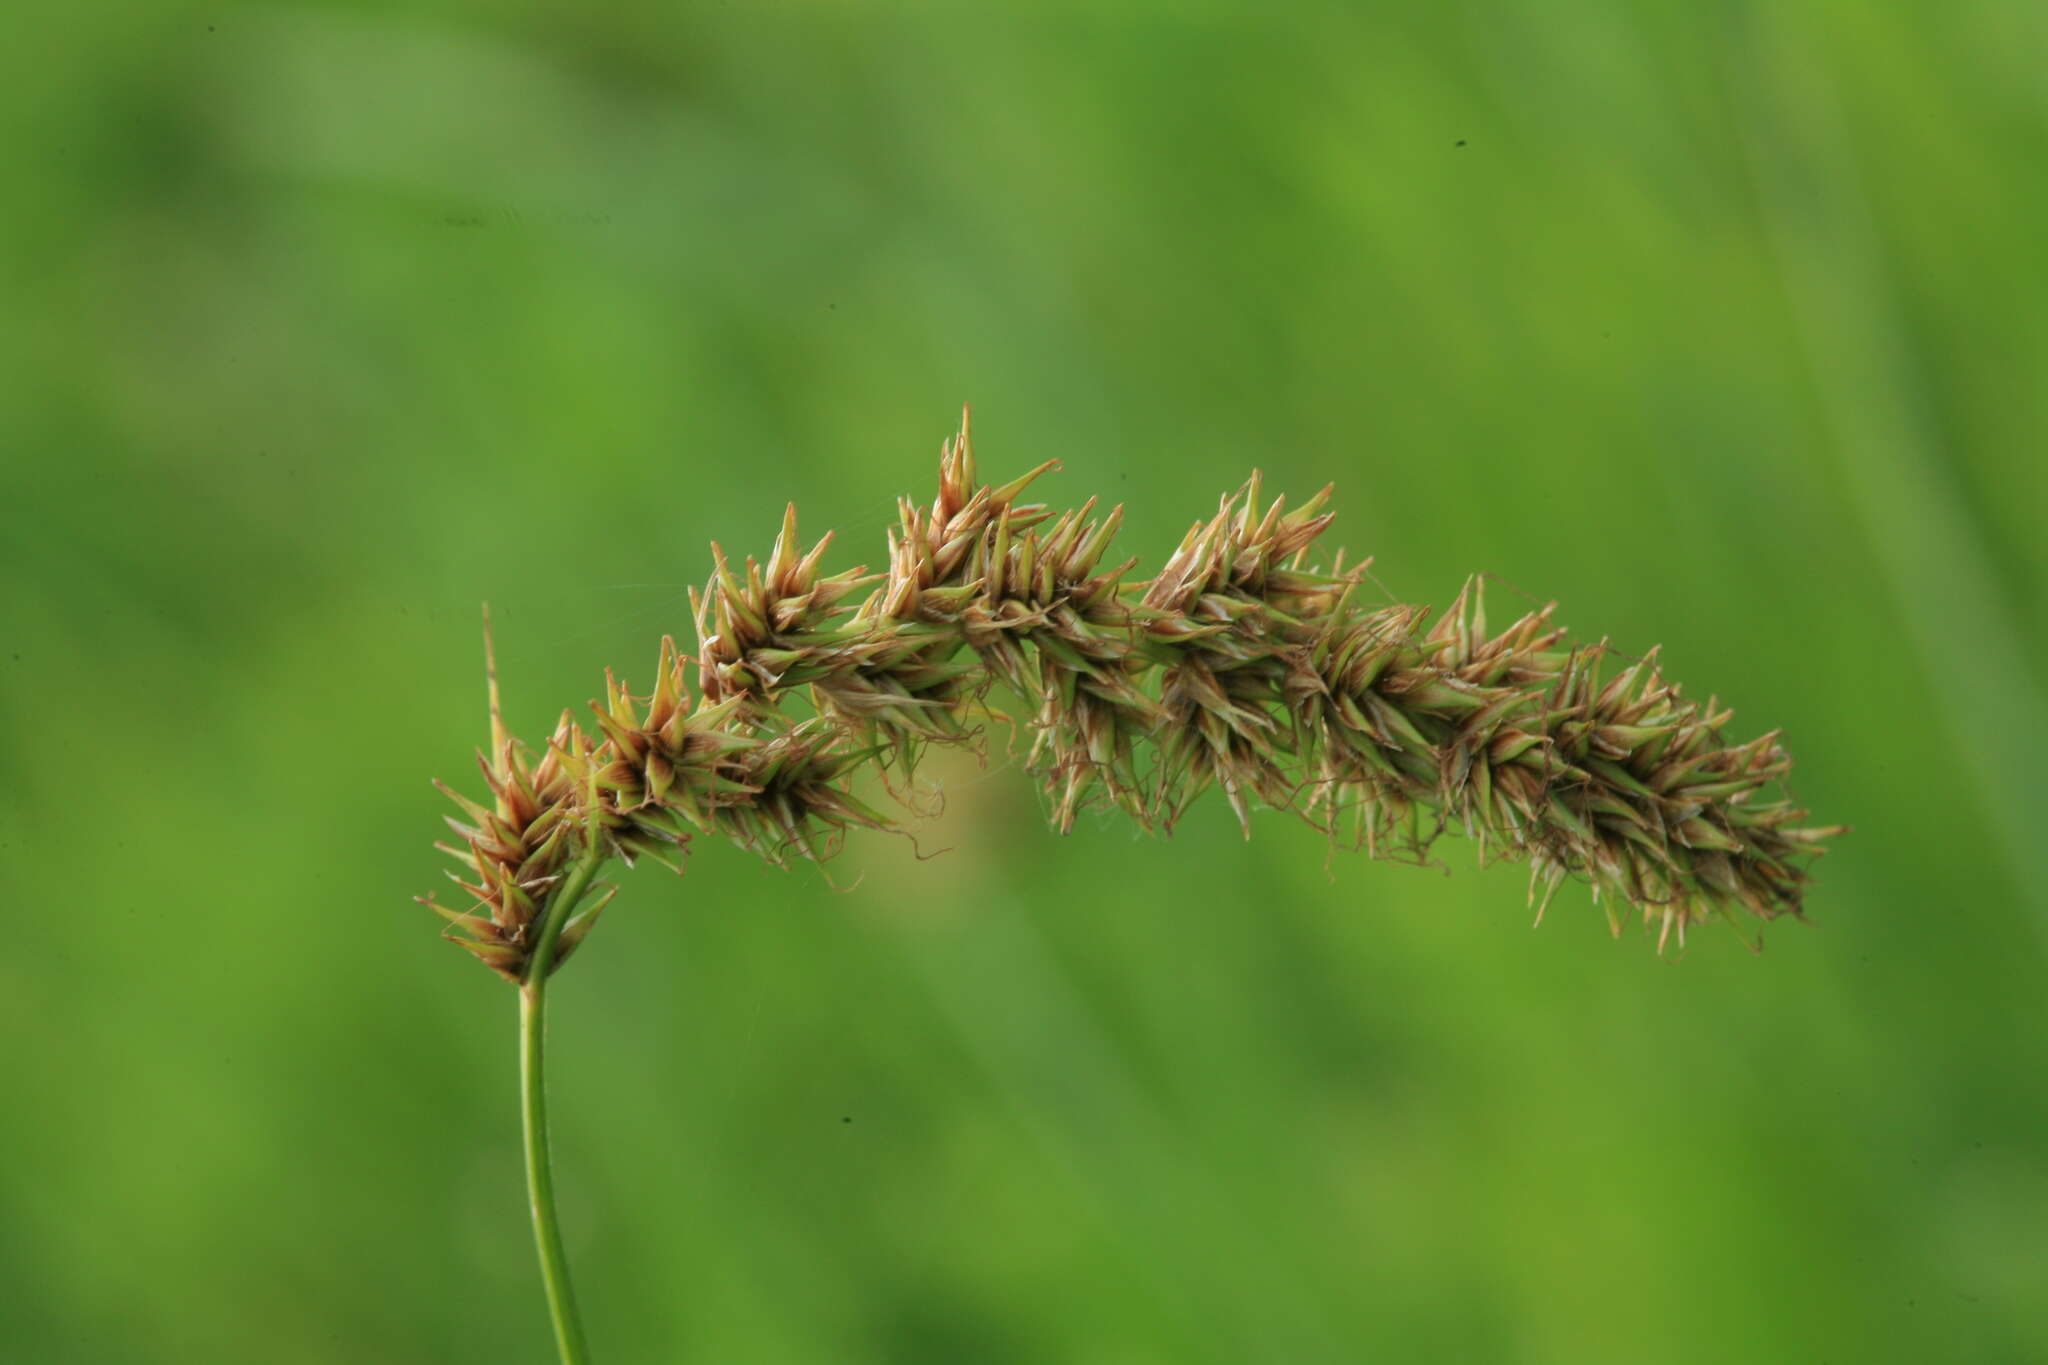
<point x="1723" y="324"/>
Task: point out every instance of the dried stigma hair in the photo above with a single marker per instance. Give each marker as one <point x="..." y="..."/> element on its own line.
<point x="1241" y="665"/>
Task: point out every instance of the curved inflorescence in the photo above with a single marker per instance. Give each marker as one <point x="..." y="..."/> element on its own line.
<point x="1240" y="665"/>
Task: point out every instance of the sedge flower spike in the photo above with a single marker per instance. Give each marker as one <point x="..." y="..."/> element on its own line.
<point x="1242" y="665"/>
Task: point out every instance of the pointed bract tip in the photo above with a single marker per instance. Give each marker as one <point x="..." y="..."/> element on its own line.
<point x="500" y="737"/>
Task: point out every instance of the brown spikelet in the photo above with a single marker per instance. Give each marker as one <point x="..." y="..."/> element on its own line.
<point x="1243" y="665"/>
<point x="513" y="851"/>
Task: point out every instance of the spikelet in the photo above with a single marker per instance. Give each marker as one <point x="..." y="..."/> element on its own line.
<point x="1242" y="665"/>
<point x="514" y="851"/>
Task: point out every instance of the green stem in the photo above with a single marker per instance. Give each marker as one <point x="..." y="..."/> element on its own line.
<point x="533" y="1109"/>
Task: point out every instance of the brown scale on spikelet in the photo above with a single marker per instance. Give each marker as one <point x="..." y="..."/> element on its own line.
<point x="1241" y="665"/>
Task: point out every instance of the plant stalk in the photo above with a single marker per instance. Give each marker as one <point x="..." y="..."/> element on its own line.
<point x="533" y="1109"/>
